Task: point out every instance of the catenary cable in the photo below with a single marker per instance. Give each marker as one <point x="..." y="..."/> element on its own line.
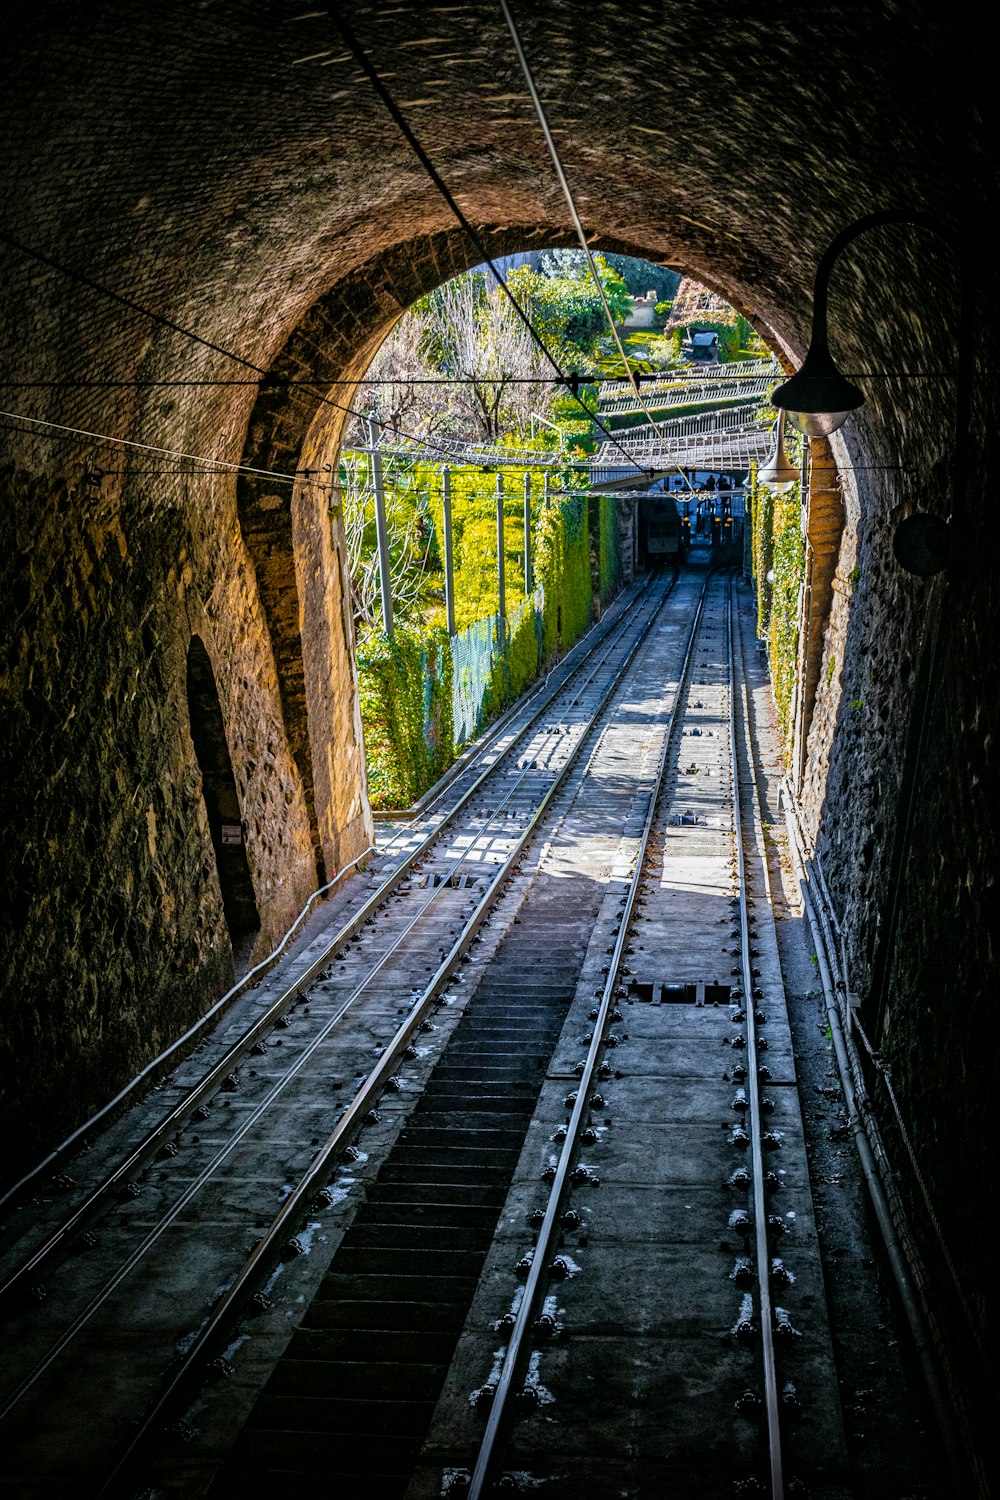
<point x="367" y="67"/>
<point x="529" y="79"/>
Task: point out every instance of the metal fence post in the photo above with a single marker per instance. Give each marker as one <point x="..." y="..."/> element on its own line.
<point x="449" y="571"/>
<point x="385" y="579"/>
<point x="501" y="578"/>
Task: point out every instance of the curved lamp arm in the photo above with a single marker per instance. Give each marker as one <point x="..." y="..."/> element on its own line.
<point x="819" y="398"/>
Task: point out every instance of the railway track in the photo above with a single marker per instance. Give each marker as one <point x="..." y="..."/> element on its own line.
<point x="170" y="1221"/>
<point x="560" y="1229"/>
<point x="588" y="1251"/>
<point x="671" y="1331"/>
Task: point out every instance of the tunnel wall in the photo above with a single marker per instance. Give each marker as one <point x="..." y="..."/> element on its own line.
<point x="191" y="165"/>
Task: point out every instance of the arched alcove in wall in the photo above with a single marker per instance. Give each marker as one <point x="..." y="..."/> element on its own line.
<point x="222" y="805"/>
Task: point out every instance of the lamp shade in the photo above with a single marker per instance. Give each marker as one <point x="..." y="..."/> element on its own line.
<point x="776" y="471"/>
<point x="818" y="399"/>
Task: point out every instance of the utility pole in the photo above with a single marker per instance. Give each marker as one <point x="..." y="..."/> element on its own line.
<point x="528" y="581"/>
<point x="449" y="568"/>
<point x="501" y="581"/>
<point x="385" y="580"/>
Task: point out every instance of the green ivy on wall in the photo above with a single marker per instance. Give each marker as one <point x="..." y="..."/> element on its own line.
<point x="610" y="564"/>
<point x="406" y="685"/>
<point x="778" y="549"/>
<point x="405" y="689"/>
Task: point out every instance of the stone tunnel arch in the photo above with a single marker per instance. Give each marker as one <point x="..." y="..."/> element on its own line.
<point x="292" y="531"/>
<point x="221" y="800"/>
<point x="183" y="156"/>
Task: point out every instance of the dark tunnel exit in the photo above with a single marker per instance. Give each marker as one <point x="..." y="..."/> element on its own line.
<point x="221" y="801"/>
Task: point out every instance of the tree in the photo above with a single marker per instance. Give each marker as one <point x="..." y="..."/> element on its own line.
<point x="642" y="276"/>
<point x="567" y="310"/>
<point x="475" y="335"/>
<point x="403" y="395"/>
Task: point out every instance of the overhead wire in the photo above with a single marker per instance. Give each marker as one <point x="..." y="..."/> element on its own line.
<point x="529" y="79"/>
<point x="268" y="379"/>
<point x="691" y="376"/>
<point x="569" y="381"/>
<point x="368" y="68"/>
<point x="219" y="465"/>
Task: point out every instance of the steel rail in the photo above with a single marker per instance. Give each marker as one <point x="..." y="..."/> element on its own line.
<point x="98" y="1197"/>
<point x="73" y="1142"/>
<point x="618" y="628"/>
<point x="744" y="369"/>
<point x="715" y="419"/>
<point x="762" y="1249"/>
<point x="219" y="1324"/>
<point x="724" y="400"/>
<point x="253" y="1117"/>
<point x="193" y="1187"/>
<point x="518" y="1347"/>
<point x="481" y="746"/>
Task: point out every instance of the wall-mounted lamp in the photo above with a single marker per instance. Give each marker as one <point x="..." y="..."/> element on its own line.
<point x="819" y="399"/>
<point x="776" y="471"/>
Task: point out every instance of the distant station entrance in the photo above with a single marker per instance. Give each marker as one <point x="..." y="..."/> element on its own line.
<point x="700" y="509"/>
<point x="660" y="543"/>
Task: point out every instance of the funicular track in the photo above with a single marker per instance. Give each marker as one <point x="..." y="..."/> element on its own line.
<point x="434" y="1349"/>
<point x="352" y="1398"/>
<point x="194" y="1173"/>
<point x="408" y="841"/>
<point x="478" y="1332"/>
<point x="670" y="1332"/>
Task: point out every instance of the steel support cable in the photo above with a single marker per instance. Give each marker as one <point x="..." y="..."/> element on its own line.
<point x="367" y="67"/>
<point x="858" y="1114"/>
<point x="529" y="79"/>
<point x="678" y="379"/>
<point x="239" y="1290"/>
<point x="219" y="465"/>
<point x="518" y="1347"/>
<point x="175" y="1118"/>
<point x="137" y="307"/>
<point x="267" y="381"/>
<point x="761" y="1247"/>
<point x="247" y="1123"/>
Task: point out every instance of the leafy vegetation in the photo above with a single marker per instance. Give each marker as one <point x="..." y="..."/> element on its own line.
<point x="778" y="552"/>
<point x="461" y="365"/>
<point x="409" y="685"/>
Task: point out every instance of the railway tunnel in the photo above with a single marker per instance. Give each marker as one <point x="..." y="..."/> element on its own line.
<point x="210" y="222"/>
